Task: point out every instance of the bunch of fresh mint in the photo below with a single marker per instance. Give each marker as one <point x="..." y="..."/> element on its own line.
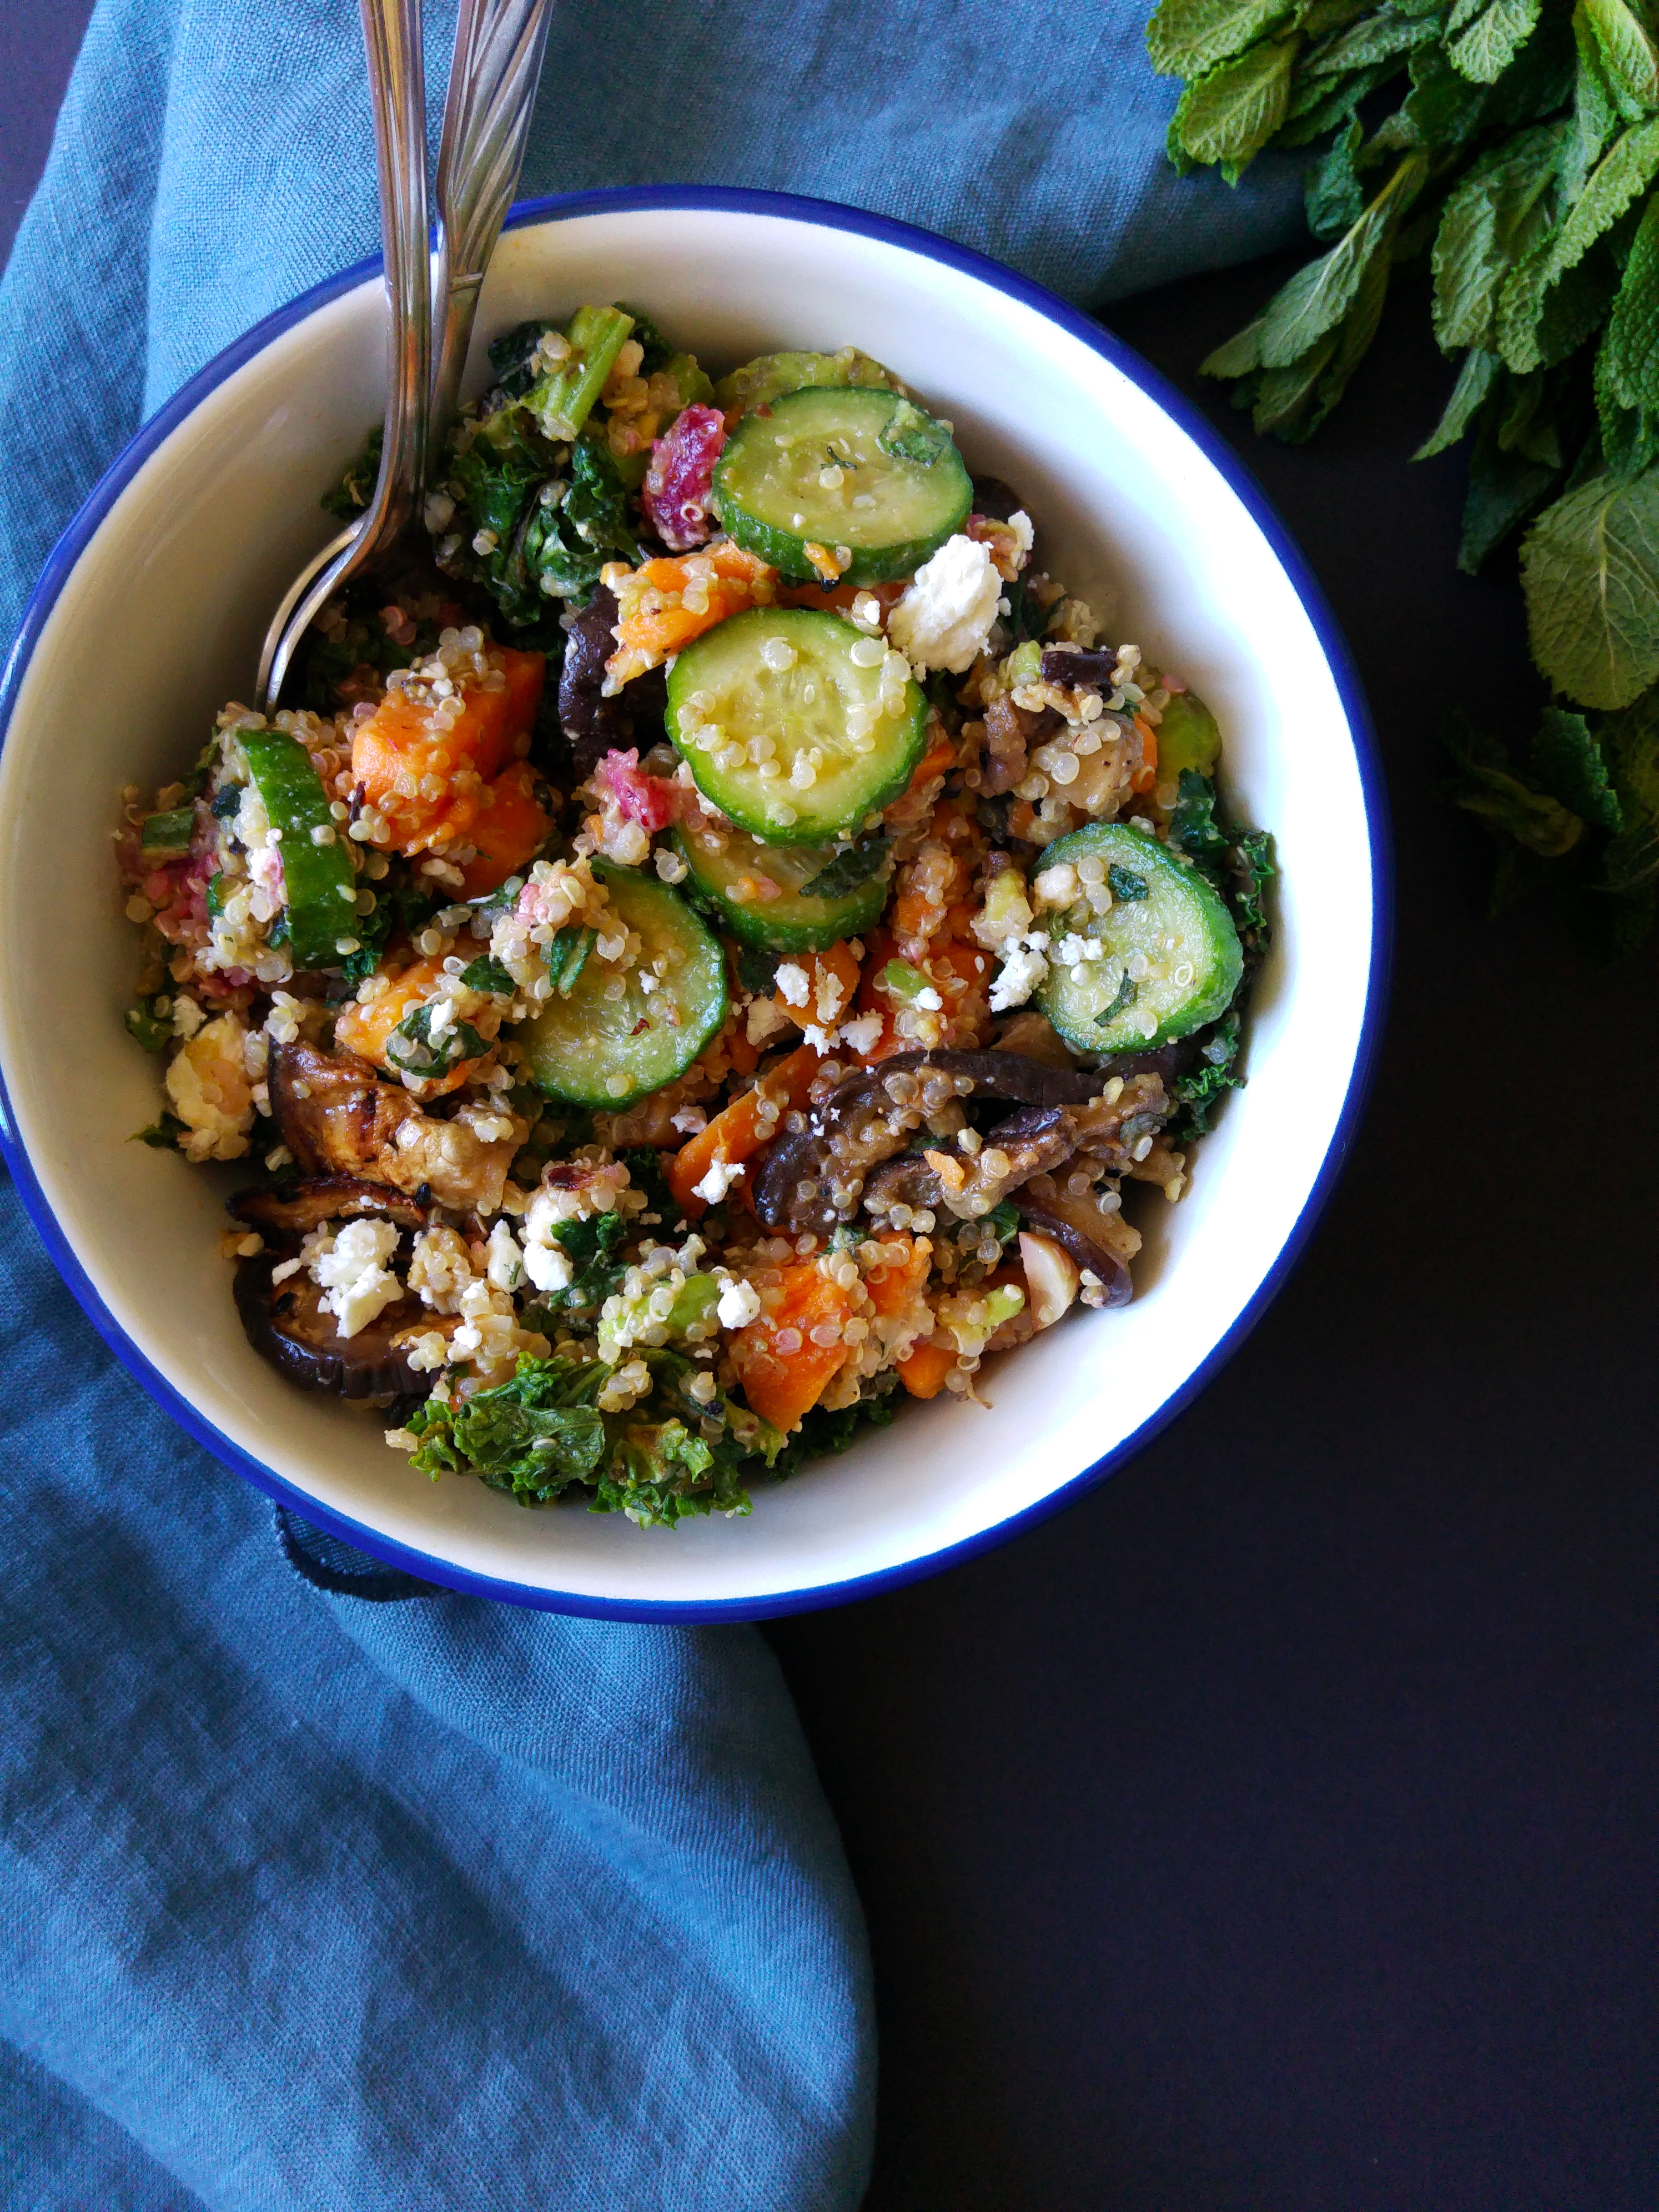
<point x="1515" y="142"/>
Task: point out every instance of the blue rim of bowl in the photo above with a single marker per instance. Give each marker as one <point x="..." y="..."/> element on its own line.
<point x="831" y="216"/>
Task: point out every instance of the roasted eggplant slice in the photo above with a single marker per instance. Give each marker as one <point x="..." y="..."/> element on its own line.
<point x="285" y="1324"/>
<point x="291" y="1208"/>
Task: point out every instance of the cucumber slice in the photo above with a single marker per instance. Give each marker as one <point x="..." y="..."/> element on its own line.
<point x="792" y="922"/>
<point x="1167" y="922"/>
<point x="592" y="1050"/>
<point x="759" y="382"/>
<point x="321" y="887"/>
<point x="851" y="470"/>
<point x="804" y="694"/>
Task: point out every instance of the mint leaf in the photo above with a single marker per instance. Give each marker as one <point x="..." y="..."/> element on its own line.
<point x="1506" y="487"/>
<point x="1484" y="36"/>
<point x="1318" y="297"/>
<point x="1590" y="569"/>
<point x="1379" y="37"/>
<point x="1229" y="115"/>
<point x="1475" y="381"/>
<point x="1630" y="352"/>
<point x="1623" y="172"/>
<point x="1497" y="216"/>
<point x="1629" y="59"/>
<point x="1186" y="36"/>
<point x="1486" y="787"/>
<point x="1569" y="764"/>
<point x="1331" y="191"/>
<point x="1630" y="435"/>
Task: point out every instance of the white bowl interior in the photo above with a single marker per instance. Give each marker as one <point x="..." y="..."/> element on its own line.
<point x="158" y="624"/>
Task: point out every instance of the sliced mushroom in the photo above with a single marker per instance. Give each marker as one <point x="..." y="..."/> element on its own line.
<point x="1052" y="1276"/>
<point x="1111" y="1128"/>
<point x="969" y="1185"/>
<point x="337" y="1118"/>
<point x="996" y="500"/>
<point x="1034" y="1037"/>
<point x="1072" y="666"/>
<point x="1078" y="1226"/>
<point x="291" y="1208"/>
<point x="592" y="724"/>
<point x="286" y="1324"/>
<point x="813" y="1179"/>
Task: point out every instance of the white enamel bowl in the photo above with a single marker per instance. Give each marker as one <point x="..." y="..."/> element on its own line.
<point x="149" y="616"/>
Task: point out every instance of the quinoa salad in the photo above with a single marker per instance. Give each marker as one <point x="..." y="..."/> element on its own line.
<point x="710" y="947"/>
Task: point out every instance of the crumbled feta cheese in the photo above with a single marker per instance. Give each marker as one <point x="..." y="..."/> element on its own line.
<point x="793" y="983"/>
<point x="945" y="616"/>
<point x="283" y="1269"/>
<point x="1025" y="535"/>
<point x="721" y="1175"/>
<point x="1074" y="948"/>
<point x="739" y="1304"/>
<point x="1056" y="886"/>
<point x="929" y="999"/>
<point x="187" y="1017"/>
<point x="503" y="1261"/>
<point x="351" y="1268"/>
<point x="764" y="1020"/>
<point x="688" y="1121"/>
<point x="1024" y="969"/>
<point x="862" y="1035"/>
<point x="548" y="1267"/>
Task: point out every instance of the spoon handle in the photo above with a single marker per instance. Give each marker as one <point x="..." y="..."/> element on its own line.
<point x="499" y="45"/>
<point x="392" y="36"/>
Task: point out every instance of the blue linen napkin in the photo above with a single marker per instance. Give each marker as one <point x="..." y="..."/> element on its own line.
<point x="307" y="1902"/>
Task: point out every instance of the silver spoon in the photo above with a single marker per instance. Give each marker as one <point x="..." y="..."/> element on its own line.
<point x="492" y="91"/>
<point x="498" y="44"/>
<point x="392" y="34"/>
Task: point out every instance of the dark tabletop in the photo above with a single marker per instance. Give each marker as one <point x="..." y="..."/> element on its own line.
<point x="1274" y="1831"/>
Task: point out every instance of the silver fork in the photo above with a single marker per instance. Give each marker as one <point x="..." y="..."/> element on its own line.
<point x="492" y="91"/>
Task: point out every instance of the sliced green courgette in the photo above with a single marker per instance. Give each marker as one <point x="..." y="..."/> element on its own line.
<point x="758" y="383"/>
<point x="317" y="873"/>
<point x="1187" y="737"/>
<point x="594" y="1051"/>
<point x="859" y="473"/>
<point x="796" y="725"/>
<point x="1170" y="960"/>
<point x="728" y="868"/>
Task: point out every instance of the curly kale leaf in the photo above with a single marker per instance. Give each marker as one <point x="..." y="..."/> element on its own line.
<point x="351" y="495"/>
<point x="658" y="1473"/>
<point x="549" y="526"/>
<point x="1238" y="862"/>
<point x="655" y="347"/>
<point x="161" y="1136"/>
<point x="847" y="871"/>
<point x="486" y="973"/>
<point x="1199" y="1092"/>
<point x="513" y="357"/>
<point x="825" y="1434"/>
<point x="412" y="1049"/>
<point x="398" y="905"/>
<point x="531" y="1437"/>
<point x="596" y="1272"/>
<point x="645" y="1174"/>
